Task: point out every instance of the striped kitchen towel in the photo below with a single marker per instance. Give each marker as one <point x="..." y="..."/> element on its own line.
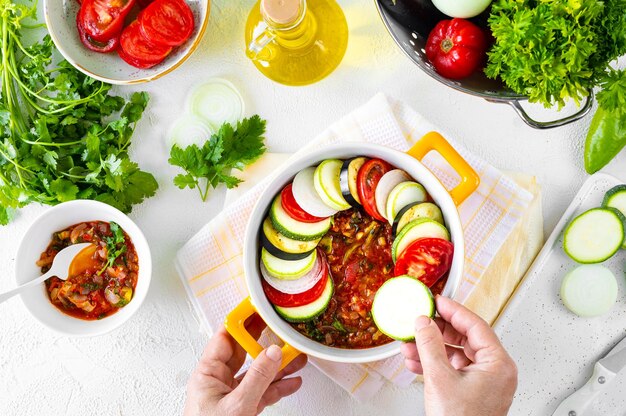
<point x="210" y="263"/>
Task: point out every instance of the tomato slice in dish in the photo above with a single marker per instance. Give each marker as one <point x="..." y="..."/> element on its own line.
<point x="103" y="20"/>
<point x="286" y="300"/>
<point x="138" y="51"/>
<point x="426" y="259"/>
<point x="167" y="22"/>
<point x="291" y="207"/>
<point x="366" y="181"/>
<point x="94" y="45"/>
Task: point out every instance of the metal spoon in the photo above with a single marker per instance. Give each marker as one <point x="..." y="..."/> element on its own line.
<point x="60" y="268"/>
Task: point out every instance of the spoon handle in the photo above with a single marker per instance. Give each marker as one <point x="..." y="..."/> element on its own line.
<point x="7" y="295"/>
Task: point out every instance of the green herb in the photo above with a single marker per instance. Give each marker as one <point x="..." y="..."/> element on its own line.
<point x="116" y="245"/>
<point x="313" y="332"/>
<point x="551" y="50"/>
<point x="607" y="133"/>
<point x="60" y="138"/>
<point x="211" y="164"/>
<point x="339" y="326"/>
<point x="90" y="286"/>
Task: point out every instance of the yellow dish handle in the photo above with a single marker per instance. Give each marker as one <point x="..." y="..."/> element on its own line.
<point x="235" y="325"/>
<point x="469" y="178"/>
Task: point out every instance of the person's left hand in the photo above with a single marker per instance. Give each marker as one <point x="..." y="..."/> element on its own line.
<point x="213" y="389"/>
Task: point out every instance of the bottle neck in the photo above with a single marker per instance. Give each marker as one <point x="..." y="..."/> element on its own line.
<point x="294" y="32"/>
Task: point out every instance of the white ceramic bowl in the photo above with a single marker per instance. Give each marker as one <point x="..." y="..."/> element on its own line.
<point x="60" y="18"/>
<point x="251" y="245"/>
<point x="36" y="240"/>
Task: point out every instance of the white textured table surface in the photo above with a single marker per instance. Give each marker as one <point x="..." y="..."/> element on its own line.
<point x="142" y="368"/>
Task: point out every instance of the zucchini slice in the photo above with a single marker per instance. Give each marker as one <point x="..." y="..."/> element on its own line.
<point x="589" y="290"/>
<point x="416" y="229"/>
<point x="398" y="303"/>
<point x="292" y="228"/>
<point x="307" y="312"/>
<point x="402" y="195"/>
<point x="414" y="211"/>
<point x="286" y="244"/>
<point x="347" y="180"/>
<point x="326" y="182"/>
<point x="616" y="198"/>
<point x="386" y="184"/>
<point x="595" y="235"/>
<point x="287" y="269"/>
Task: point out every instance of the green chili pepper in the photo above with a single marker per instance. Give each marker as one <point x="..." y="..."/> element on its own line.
<point x="605" y="139"/>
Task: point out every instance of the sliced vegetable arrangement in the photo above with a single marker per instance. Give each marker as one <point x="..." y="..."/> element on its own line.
<point x="160" y="26"/>
<point x="592" y="237"/>
<point x="63" y="135"/>
<point x="327" y="249"/>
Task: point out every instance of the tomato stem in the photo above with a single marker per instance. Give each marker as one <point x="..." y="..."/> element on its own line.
<point x="446" y="45"/>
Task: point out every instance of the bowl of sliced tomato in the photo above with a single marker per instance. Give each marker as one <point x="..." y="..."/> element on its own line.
<point x="126" y="41"/>
<point x="336" y="226"/>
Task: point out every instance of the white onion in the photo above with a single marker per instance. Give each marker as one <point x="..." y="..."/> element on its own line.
<point x="217" y="101"/>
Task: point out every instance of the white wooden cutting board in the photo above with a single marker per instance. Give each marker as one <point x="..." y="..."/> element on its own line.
<point x="555" y="350"/>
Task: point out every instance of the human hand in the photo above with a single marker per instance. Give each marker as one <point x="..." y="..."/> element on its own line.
<point x="213" y="390"/>
<point x="479" y="379"/>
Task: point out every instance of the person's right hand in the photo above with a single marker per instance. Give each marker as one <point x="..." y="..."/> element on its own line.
<point x="479" y="379"/>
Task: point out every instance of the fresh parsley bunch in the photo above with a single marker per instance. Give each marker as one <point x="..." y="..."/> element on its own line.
<point x="211" y="164"/>
<point x="60" y="134"/>
<point x="551" y="50"/>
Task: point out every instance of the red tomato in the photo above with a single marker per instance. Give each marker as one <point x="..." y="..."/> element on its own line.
<point x="94" y="45"/>
<point x="286" y="300"/>
<point x="456" y="48"/>
<point x="291" y="207"/>
<point x="103" y="20"/>
<point x="138" y="51"/>
<point x="426" y="259"/>
<point x="366" y="181"/>
<point x="167" y="22"/>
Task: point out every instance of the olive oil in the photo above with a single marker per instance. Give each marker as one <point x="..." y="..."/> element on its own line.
<point x="296" y="42"/>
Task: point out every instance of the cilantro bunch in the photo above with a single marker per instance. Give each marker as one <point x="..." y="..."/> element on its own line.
<point x="551" y="50"/>
<point x="63" y="136"/>
<point x="211" y="164"/>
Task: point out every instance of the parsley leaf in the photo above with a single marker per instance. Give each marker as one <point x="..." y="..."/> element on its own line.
<point x="116" y="245"/>
<point x="211" y="165"/>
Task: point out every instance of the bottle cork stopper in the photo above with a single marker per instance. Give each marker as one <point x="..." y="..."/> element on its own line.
<point x="282" y="12"/>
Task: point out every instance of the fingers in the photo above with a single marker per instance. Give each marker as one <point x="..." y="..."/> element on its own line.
<point x="479" y="334"/>
<point x="255" y="325"/>
<point x="217" y="353"/>
<point x="293" y="367"/>
<point x="279" y="390"/>
<point x="260" y="375"/>
<point x="456" y="357"/>
<point x="430" y="346"/>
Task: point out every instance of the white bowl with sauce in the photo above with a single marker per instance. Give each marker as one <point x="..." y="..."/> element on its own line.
<point x="37" y="239"/>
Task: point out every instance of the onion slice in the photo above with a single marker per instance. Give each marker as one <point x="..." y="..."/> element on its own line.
<point x="189" y="130"/>
<point x="217" y="101"/>
<point x="589" y="290"/>
<point x="294" y="287"/>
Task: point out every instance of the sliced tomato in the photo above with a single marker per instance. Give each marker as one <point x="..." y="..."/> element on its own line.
<point x="103" y="19"/>
<point x="167" y="22"/>
<point x="286" y="300"/>
<point x="138" y="51"/>
<point x="426" y="259"/>
<point x="94" y="45"/>
<point x="291" y="207"/>
<point x="366" y="181"/>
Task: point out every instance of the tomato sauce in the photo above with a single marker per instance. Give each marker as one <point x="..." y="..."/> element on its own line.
<point x="358" y="249"/>
<point x="102" y="280"/>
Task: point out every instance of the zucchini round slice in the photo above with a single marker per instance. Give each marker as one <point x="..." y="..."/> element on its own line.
<point x="402" y="195"/>
<point x="326" y="182"/>
<point x="398" y="303"/>
<point x="286" y="244"/>
<point x="416" y="229"/>
<point x="414" y="211"/>
<point x="594" y="236"/>
<point x="287" y="269"/>
<point x="292" y="228"/>
<point x="386" y="184"/>
<point x="347" y="179"/>
<point x="589" y="290"/>
<point x="307" y="312"/>
<point x="616" y="198"/>
<point x="296" y="286"/>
